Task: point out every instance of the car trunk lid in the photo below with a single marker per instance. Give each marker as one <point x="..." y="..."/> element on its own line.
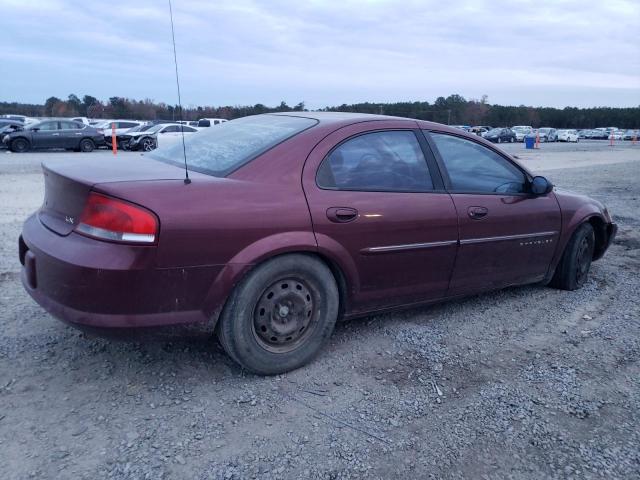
<point x="68" y="183"/>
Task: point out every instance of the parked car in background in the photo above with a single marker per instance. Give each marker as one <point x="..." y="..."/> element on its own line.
<point x="616" y="135"/>
<point x="54" y="133"/>
<point x="631" y="135"/>
<point x="568" y="136"/>
<point x="500" y="135"/>
<point x="121" y="125"/>
<point x="7" y="126"/>
<point x="161" y="134"/>
<point x="18" y="118"/>
<point x="210" y="122"/>
<point x="545" y="134"/>
<point x="84" y="120"/>
<point x="170" y="134"/>
<point x="366" y="229"/>
<point x="521" y="131"/>
<point x="5" y="122"/>
<point x="480" y="131"/>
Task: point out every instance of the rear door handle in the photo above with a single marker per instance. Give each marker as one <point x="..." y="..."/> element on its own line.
<point x="477" y="213"/>
<point x="342" y="214"/>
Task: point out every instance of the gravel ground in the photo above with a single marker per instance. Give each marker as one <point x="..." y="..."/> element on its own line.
<point x="526" y="382"/>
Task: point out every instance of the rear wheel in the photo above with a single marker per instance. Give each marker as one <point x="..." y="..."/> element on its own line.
<point x="280" y="315"/>
<point x="87" y="145"/>
<point x="573" y="270"/>
<point x="20" y="145"/>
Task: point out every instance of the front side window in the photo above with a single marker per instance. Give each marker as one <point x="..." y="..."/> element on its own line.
<point x="389" y="161"/>
<point x="474" y="168"/>
<point x="221" y="150"/>
<point x="47" y="126"/>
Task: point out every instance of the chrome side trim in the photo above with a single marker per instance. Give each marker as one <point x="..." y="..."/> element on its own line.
<point x="408" y="246"/>
<point x="507" y="237"/>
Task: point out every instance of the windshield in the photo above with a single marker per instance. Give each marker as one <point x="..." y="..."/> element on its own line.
<point x="495" y="130"/>
<point x="221" y="150"/>
<point x="140" y="128"/>
<point x="544" y="130"/>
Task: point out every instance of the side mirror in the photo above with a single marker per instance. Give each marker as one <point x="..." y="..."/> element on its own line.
<point x="541" y="186"/>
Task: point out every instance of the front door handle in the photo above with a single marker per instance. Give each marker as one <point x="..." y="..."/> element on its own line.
<point x="55" y="134"/>
<point x="476" y="213"/>
<point x="342" y="214"/>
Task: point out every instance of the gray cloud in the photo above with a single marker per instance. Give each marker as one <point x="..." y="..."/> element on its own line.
<point x="556" y="53"/>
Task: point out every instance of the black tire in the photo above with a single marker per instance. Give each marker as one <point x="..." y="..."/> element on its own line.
<point x="573" y="269"/>
<point x="280" y="315"/>
<point x="20" y="145"/>
<point x="87" y="145"/>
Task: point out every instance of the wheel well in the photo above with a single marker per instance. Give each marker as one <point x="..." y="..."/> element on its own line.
<point x="600" y="231"/>
<point x="336" y="271"/>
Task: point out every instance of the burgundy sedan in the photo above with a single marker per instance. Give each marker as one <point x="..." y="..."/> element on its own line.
<point x="292" y="221"/>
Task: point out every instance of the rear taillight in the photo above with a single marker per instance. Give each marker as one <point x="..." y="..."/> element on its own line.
<point x="108" y="218"/>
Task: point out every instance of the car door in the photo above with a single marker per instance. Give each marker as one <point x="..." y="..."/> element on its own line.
<point x="70" y="135"/>
<point x="379" y="209"/>
<point x="47" y="135"/>
<point x="507" y="235"/>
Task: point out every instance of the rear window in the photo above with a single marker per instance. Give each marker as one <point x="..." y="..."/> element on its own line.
<point x="221" y="150"/>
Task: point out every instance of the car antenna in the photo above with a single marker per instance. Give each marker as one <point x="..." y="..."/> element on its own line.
<point x="187" y="180"/>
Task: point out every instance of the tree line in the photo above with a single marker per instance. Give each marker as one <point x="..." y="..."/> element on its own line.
<point x="453" y="110"/>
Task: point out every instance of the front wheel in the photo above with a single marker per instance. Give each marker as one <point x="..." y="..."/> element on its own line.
<point x="280" y="315"/>
<point x="573" y="269"/>
<point x="499" y="140"/>
<point x="147" y="144"/>
<point x="510" y="139"/>
<point x="20" y="145"/>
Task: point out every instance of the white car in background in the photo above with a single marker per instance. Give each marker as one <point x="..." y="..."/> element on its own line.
<point x="121" y="126"/>
<point x="83" y="120"/>
<point x="160" y="135"/>
<point x="568" y="136"/>
<point x="521" y="131"/>
<point x="616" y="135"/>
<point x="210" y="122"/>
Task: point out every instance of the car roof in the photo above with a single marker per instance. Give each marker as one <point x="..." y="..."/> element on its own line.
<point x="338" y="119"/>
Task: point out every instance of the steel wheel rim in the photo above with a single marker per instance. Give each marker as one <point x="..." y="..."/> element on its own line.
<point x="583" y="260"/>
<point x="20" y="146"/>
<point x="285" y="315"/>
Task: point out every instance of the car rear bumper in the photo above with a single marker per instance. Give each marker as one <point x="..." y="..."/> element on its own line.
<point x="92" y="283"/>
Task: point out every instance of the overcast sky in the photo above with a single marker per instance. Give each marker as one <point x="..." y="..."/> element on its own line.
<point x="239" y="52"/>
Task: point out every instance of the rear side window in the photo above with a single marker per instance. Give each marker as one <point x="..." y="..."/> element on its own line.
<point x="126" y="125"/>
<point x="221" y="150"/>
<point x="389" y="161"/>
<point x="474" y="168"/>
